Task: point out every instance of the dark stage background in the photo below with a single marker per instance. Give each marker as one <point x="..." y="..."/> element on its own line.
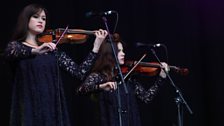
<point x="192" y="30"/>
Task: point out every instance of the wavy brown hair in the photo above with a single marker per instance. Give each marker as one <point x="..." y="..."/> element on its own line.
<point x="106" y="61"/>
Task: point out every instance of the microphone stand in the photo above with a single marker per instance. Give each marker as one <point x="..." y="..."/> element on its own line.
<point x="119" y="73"/>
<point x="179" y="99"/>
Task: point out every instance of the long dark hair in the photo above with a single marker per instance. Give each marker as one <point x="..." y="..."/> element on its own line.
<point x="21" y="29"/>
<point x="106" y="61"/>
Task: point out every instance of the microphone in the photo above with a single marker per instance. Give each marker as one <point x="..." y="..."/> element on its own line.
<point x="105" y="13"/>
<point x="148" y="45"/>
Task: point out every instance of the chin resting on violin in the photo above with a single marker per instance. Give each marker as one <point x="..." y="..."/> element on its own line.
<point x="101" y="81"/>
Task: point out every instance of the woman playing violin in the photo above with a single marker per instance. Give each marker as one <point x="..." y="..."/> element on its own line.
<point x="101" y="82"/>
<point x="38" y="97"/>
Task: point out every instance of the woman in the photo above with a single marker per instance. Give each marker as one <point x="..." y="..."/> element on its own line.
<point x="101" y="81"/>
<point x="38" y="97"/>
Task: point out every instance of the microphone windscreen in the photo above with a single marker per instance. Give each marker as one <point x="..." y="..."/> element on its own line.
<point x="139" y="44"/>
<point x="142" y="44"/>
<point x="89" y="14"/>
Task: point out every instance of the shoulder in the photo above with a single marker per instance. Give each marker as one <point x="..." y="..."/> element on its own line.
<point x="14" y="43"/>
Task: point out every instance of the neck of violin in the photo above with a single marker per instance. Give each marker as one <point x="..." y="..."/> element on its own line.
<point x="156" y="65"/>
<point x="150" y="64"/>
<point x="79" y="31"/>
<point x="76" y="31"/>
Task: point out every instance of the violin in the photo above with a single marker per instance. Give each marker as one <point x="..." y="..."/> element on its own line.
<point x="74" y="36"/>
<point x="151" y="68"/>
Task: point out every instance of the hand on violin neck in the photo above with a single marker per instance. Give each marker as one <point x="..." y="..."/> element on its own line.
<point x="100" y="37"/>
<point x="164" y="70"/>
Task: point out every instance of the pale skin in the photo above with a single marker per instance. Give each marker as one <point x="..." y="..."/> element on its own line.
<point x="111" y="86"/>
<point x="37" y="25"/>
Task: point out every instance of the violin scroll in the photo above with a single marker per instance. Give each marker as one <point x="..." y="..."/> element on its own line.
<point x="181" y="71"/>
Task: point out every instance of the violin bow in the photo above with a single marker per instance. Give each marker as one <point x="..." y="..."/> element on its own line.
<point x="62" y="35"/>
<point x="135" y="66"/>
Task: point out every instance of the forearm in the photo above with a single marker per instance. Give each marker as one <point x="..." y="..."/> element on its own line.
<point x="88" y="89"/>
<point x="78" y="71"/>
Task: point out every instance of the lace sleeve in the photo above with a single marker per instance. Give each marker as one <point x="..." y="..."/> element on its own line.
<point x="147" y="95"/>
<point x="79" y="71"/>
<point x="91" y="84"/>
<point x="16" y="50"/>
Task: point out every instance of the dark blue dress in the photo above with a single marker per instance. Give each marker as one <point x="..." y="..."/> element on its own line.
<point x="38" y="97"/>
<point x="108" y="102"/>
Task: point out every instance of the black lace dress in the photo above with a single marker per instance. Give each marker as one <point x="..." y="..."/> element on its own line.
<point x="38" y="97"/>
<point x="108" y="103"/>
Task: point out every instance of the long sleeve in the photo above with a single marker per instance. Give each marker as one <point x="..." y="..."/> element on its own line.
<point x="79" y="71"/>
<point x="16" y="50"/>
<point x="147" y="95"/>
<point x="91" y="84"/>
